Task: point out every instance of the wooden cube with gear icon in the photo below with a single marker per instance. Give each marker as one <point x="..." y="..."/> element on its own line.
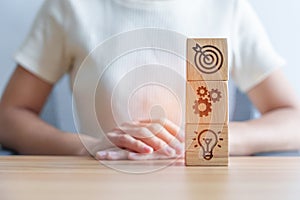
<point x="206" y="103"/>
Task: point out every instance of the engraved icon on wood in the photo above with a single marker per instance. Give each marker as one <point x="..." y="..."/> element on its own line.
<point x="206" y="119"/>
<point x="207" y="140"/>
<point x="208" y="59"/>
<point x="203" y="105"/>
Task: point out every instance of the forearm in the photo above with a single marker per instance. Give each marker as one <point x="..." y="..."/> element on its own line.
<point x="277" y="130"/>
<point x="23" y="131"/>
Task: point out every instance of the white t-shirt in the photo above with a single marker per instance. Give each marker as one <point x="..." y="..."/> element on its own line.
<point x="65" y="32"/>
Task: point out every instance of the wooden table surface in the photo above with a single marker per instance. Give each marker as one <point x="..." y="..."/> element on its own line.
<point x="43" y="178"/>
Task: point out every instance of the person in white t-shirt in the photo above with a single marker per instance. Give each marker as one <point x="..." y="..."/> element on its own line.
<point x="65" y="32"/>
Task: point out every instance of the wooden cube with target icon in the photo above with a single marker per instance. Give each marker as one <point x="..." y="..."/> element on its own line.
<point x="206" y="103"/>
<point x="207" y="59"/>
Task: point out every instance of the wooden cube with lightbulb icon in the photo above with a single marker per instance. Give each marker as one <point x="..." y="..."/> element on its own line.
<point x="206" y="140"/>
<point x="206" y="145"/>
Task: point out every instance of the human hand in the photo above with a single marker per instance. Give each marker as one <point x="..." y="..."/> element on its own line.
<point x="123" y="154"/>
<point x="156" y="139"/>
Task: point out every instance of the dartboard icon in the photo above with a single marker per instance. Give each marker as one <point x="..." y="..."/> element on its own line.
<point x="208" y="59"/>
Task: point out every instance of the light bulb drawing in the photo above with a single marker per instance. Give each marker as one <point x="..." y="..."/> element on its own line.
<point x="207" y="140"/>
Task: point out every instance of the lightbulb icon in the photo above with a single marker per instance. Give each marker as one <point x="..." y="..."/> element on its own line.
<point x="207" y="139"/>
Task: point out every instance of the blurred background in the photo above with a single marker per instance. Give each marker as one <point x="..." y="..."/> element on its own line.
<point x="280" y="18"/>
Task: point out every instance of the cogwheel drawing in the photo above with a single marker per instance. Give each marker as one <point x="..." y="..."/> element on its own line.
<point x="215" y="95"/>
<point x="202" y="91"/>
<point x="202" y="107"/>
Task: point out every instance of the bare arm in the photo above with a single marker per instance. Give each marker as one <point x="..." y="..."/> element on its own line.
<point x="21" y="128"/>
<point x="278" y="127"/>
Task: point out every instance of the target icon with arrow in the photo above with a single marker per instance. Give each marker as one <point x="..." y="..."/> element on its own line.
<point x="208" y="59"/>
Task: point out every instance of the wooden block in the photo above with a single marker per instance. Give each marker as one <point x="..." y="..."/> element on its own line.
<point x="207" y="102"/>
<point x="206" y="145"/>
<point x="207" y="59"/>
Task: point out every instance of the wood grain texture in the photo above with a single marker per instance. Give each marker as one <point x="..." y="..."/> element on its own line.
<point x="77" y="178"/>
<point x="207" y="102"/>
<point x="207" y="59"/>
<point x="206" y="145"/>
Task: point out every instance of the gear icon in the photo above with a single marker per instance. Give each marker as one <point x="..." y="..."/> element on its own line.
<point x="202" y="91"/>
<point x="215" y="95"/>
<point x="202" y="107"/>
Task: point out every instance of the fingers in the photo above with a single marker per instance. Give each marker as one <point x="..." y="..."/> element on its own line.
<point x="157" y="155"/>
<point x="169" y="126"/>
<point x="173" y="129"/>
<point x="160" y="132"/>
<point x="148" y="136"/>
<point x="112" y="154"/>
<point x="127" y="141"/>
<point x="122" y="154"/>
<point x="153" y="135"/>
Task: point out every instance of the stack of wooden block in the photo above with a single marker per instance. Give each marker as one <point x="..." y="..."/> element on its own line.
<point x="206" y="102"/>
